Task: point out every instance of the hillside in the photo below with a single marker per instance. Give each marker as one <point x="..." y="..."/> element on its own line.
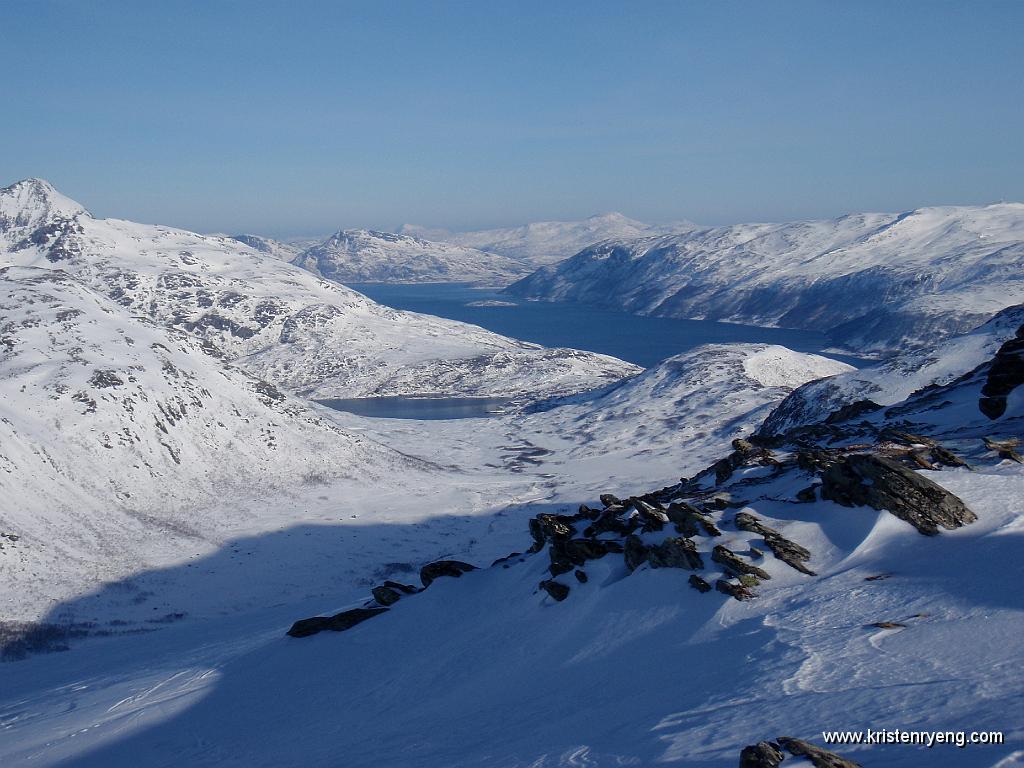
<point x="849" y="578"/>
<point x="274" y="320"/>
<point x="365" y="256"/>
<point x="874" y="282"/>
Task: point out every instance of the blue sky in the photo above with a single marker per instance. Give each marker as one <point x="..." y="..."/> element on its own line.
<point x="303" y="117"/>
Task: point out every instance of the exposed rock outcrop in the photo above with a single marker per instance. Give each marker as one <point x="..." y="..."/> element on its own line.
<point x="864" y="479"/>
<point x="764" y="754"/>
<point x="435" y="570"/>
<point x="820" y="758"/>
<point x="339" y="622"/>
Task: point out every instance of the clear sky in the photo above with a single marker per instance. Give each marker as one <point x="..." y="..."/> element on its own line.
<point x="305" y="117"/>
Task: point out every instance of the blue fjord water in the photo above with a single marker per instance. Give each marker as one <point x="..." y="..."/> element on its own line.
<point x="645" y="341"/>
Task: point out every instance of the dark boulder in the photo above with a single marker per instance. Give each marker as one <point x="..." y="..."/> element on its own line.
<point x="789" y="552"/>
<point x="852" y="411"/>
<point x="557" y="591"/>
<point x="547" y="527"/>
<point x="689" y="520"/>
<point x="864" y="479"/>
<point x="737" y="591"/>
<point x="609" y="500"/>
<point x="651" y="518"/>
<point x="386" y="595"/>
<point x="611" y="521"/>
<point x="735" y="565"/>
<point x="339" y="622"/>
<point x="807" y="495"/>
<point x="407" y="589"/>
<point x="698" y="583"/>
<point x="675" y="553"/>
<point x="634" y="552"/>
<point x="820" y="758"/>
<point x="436" y="570"/>
<point x="764" y="754"/>
<point x="581" y="576"/>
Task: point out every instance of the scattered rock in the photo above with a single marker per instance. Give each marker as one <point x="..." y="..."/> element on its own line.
<point x="789" y="552"/>
<point x="877" y="577"/>
<point x="609" y="500"/>
<point x="339" y="622"/>
<point x="699" y="584"/>
<point x="386" y="595"/>
<point x="557" y="591"/>
<point x="852" y="411"/>
<point x="436" y="570"/>
<point x="887" y="625"/>
<point x="581" y="576"/>
<point x="863" y="479"/>
<point x="547" y="527"/>
<point x="735" y="564"/>
<point x="807" y="495"/>
<point x="737" y="591"/>
<point x="634" y="552"/>
<point x="764" y="754"/>
<point x="820" y="758"/>
<point x="675" y="553"/>
<point x="1005" y="448"/>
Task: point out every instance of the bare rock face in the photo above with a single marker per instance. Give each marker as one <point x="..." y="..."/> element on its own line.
<point x="820" y="758"/>
<point x="1004" y="376"/>
<point x="454" y="568"/>
<point x="557" y="591"/>
<point x="764" y="754"/>
<point x="735" y="565"/>
<point x="675" y="552"/>
<point x="789" y="552"/>
<point x="863" y="479"/>
<point x="339" y="622"/>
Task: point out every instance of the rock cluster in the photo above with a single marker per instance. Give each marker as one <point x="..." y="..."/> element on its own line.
<point x="769" y="754"/>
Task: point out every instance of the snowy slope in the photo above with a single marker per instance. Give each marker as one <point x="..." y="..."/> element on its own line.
<point x="269" y="246"/>
<point x="117" y="438"/>
<point x="274" y="320"/>
<point x="365" y="256"/>
<point x="634" y="667"/>
<point x="546" y="242"/>
<point x="874" y="282"/>
<point x="896" y="378"/>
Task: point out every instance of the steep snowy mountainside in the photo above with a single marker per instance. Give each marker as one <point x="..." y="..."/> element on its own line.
<point x="276" y="248"/>
<point x="359" y="255"/>
<point x="546" y="242"/>
<point x="896" y="378"/>
<point x="117" y="436"/>
<point x="275" y="320"/>
<point x="874" y="282"/>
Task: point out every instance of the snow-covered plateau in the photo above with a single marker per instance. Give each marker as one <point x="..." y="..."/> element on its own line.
<point x="876" y="283"/>
<point x="738" y="545"/>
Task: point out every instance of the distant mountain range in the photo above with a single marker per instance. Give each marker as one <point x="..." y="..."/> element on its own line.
<point x="547" y="242"/>
<point x="415" y="254"/>
<point x="875" y="282"/>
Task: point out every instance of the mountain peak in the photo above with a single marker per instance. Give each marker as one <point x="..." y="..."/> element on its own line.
<point x="30" y="202"/>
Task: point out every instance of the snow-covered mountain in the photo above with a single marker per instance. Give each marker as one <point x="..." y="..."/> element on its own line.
<point x="117" y="437"/>
<point x="874" y="282"/>
<point x="274" y="320"/>
<point x="366" y="256"/>
<point x="276" y="248"/>
<point x="546" y="242"/>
